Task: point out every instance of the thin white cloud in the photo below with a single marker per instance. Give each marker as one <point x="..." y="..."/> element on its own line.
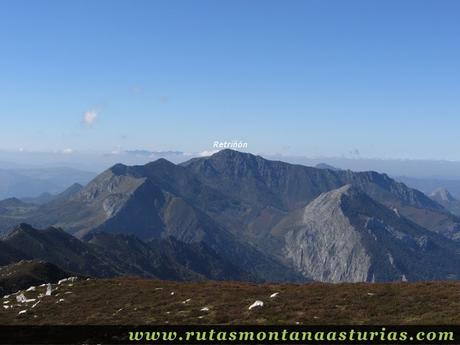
<point x="67" y="151"/>
<point x="90" y="116"/>
<point x="207" y="153"/>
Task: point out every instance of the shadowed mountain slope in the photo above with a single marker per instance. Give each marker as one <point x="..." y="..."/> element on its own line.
<point x="107" y="255"/>
<point x="24" y="274"/>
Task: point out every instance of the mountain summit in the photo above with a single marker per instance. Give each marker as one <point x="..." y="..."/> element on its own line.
<point x="270" y="219"/>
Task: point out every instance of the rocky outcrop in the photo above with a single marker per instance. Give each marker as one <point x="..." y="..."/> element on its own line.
<point x="344" y="235"/>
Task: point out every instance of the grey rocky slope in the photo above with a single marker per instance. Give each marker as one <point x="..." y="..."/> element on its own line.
<point x="444" y="198"/>
<point x="344" y="235"/>
<point x="239" y="206"/>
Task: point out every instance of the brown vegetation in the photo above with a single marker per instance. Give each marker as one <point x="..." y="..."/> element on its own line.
<point x="141" y="301"/>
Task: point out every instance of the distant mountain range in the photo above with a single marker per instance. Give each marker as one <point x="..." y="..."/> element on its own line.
<point x="39" y="182"/>
<point x="240" y="216"/>
<point x="429" y="185"/>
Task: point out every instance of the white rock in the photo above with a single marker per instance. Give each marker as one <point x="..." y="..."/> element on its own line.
<point x="187" y="300"/>
<point x="371" y="294"/>
<point x="32" y="288"/>
<point x="273" y="295"/>
<point x="6" y="302"/>
<point x="172" y="293"/>
<point x="49" y="290"/>
<point x="204" y="309"/>
<point x="5" y="307"/>
<point x="35" y="304"/>
<point x="22" y="312"/>
<point x="6" y="296"/>
<point x="21" y="298"/>
<point x="256" y="304"/>
<point x="60" y="300"/>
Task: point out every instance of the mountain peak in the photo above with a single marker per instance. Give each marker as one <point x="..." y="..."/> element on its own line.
<point x="119" y="169"/>
<point x="442" y="194"/>
<point x="161" y="163"/>
<point x="231" y="154"/>
<point x="336" y="196"/>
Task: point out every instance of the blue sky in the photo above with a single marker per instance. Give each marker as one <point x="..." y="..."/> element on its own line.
<point x="314" y="78"/>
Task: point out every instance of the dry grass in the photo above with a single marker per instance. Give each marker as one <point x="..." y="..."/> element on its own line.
<point x="140" y="301"/>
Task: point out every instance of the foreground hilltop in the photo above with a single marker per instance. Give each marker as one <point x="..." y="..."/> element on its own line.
<point x="137" y="301"/>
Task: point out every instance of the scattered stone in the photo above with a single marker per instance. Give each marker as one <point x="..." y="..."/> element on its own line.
<point x="204" y="309"/>
<point x="49" y="290"/>
<point x="22" y="312"/>
<point x="256" y="304"/>
<point x="273" y="295"/>
<point x="32" y="288"/>
<point x="70" y="279"/>
<point x="21" y="298"/>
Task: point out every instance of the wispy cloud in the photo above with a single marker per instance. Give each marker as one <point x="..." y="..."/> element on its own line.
<point x="67" y="151"/>
<point x="207" y="153"/>
<point x="90" y="116"/>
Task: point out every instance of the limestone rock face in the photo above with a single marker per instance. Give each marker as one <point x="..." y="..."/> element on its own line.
<point x="345" y="236"/>
<point x="325" y="246"/>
